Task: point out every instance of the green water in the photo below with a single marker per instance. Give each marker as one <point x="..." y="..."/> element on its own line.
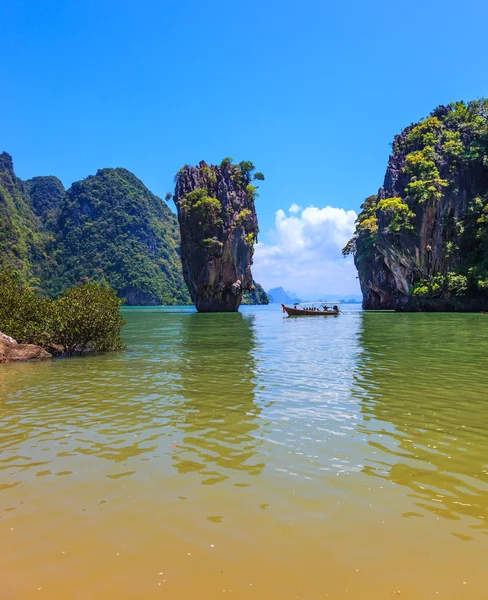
<point x="299" y="456"/>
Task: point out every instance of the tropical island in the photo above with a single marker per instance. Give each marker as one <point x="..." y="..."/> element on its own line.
<point x="219" y="227"/>
<point x="70" y="258"/>
<point x="198" y="446"/>
<point x="421" y="242"/>
<point x="107" y="229"/>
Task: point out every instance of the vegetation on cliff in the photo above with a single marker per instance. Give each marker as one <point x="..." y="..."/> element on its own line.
<point x="111" y="229"/>
<point x="218" y="226"/>
<point x="22" y="239"/>
<point x="255" y="296"/>
<point x="422" y="241"/>
<point x="82" y="318"/>
<point x="46" y="195"/>
<point x="108" y="228"/>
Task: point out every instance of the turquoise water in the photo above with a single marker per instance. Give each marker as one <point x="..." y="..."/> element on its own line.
<point x="275" y="457"/>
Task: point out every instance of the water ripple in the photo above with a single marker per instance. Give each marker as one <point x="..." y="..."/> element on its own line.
<point x="231" y="400"/>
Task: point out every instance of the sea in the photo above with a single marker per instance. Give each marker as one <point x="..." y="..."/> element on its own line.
<point x="251" y="455"/>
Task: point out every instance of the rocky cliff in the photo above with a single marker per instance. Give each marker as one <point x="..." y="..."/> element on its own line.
<point x="218" y="226"/>
<point x="23" y="240"/>
<point x="46" y="194"/>
<point x="111" y="228"/>
<point x="421" y="243"/>
<point x="256" y="296"/>
<point x="107" y="228"/>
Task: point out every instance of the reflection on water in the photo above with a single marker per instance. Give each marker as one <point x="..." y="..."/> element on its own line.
<point x="422" y="382"/>
<point x="268" y="457"/>
<point x="214" y="372"/>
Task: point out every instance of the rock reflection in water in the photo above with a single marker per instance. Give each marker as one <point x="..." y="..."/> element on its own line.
<point x="422" y="382"/>
<point x="218" y="416"/>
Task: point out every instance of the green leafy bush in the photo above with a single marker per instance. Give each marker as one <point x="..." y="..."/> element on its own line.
<point x="425" y="181"/>
<point x="87" y="317"/>
<point x="246" y="167"/>
<point x="243" y="173"/>
<point x="251" y="191"/>
<point x="212" y="245"/>
<point x="242" y="216"/>
<point x="84" y="317"/>
<point x="398" y="213"/>
<point x="205" y="208"/>
<point x="209" y="175"/>
<point x="366" y="229"/>
<point x="442" y="285"/>
<point x="24" y="315"/>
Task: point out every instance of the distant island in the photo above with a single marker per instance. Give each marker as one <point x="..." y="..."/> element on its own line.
<point x="280" y="296"/>
<point x="421" y="242"/>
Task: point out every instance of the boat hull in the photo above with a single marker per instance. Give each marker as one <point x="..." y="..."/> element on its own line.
<point x="300" y="312"/>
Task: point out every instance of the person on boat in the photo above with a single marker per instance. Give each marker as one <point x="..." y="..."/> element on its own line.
<point x="336" y="308"/>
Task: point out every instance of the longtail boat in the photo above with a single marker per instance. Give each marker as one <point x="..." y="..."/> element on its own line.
<point x="311" y="309"/>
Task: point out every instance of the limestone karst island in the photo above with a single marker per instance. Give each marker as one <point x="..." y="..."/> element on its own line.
<point x="421" y="242"/>
<point x="243" y="300"/>
<point x="219" y="226"/>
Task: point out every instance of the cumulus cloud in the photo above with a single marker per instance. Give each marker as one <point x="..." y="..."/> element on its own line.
<point x="306" y="256"/>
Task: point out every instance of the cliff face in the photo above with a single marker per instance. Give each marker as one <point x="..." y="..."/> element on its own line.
<point x="22" y="239"/>
<point x="422" y="242"/>
<point x="257" y="296"/>
<point x="46" y="194"/>
<point x="107" y="228"/>
<point x="218" y="226"/>
<point x="111" y="228"/>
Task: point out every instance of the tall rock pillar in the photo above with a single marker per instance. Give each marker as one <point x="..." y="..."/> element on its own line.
<point x="219" y="227"/>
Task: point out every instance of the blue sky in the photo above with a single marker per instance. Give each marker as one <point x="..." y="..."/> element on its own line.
<point x="312" y="92"/>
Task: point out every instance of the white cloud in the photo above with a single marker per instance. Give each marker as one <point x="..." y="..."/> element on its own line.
<point x="306" y="258"/>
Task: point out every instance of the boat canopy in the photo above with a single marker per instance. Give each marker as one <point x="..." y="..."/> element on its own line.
<point x="321" y="303"/>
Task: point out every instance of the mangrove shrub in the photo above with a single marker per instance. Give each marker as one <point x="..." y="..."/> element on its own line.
<point x="82" y="318"/>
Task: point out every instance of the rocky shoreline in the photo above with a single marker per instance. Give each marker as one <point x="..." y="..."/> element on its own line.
<point x="11" y="351"/>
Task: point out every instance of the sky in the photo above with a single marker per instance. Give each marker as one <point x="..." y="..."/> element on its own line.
<point x="312" y="92"/>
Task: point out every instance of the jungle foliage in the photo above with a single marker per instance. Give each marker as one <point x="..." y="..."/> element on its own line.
<point x="201" y="206"/>
<point x="82" y="318"/>
<point x="444" y="156"/>
<point x="257" y="296"/>
<point x="108" y="229"/>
